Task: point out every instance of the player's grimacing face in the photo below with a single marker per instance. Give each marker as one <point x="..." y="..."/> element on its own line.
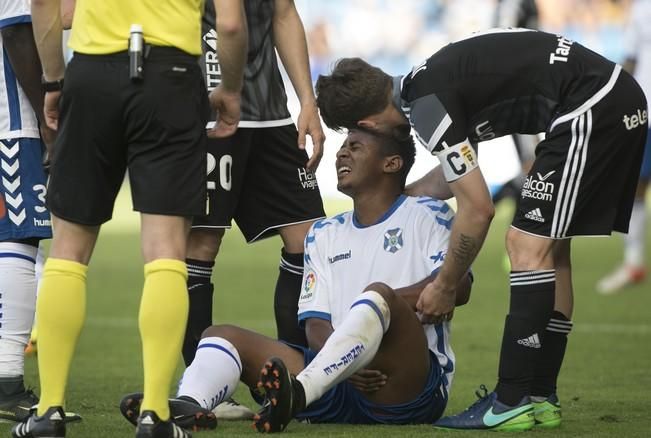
<point x="359" y="162"/>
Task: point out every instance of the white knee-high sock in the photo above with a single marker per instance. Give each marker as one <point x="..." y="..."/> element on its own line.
<point x="17" y="305"/>
<point x="213" y="374"/>
<point x="635" y="239"/>
<point x="349" y="348"/>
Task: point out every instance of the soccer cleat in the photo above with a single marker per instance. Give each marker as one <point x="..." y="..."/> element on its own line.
<point x="184" y="412"/>
<point x="547" y="411"/>
<point x="150" y="426"/>
<point x="50" y="425"/>
<point x="284" y="397"/>
<point x="489" y="413"/>
<point x="620" y="278"/>
<point x="18" y="407"/>
<point x="232" y="410"/>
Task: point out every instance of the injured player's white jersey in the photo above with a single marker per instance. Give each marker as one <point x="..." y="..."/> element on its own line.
<point x="405" y="246"/>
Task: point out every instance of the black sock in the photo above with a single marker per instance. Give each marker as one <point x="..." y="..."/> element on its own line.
<point x="288" y="290"/>
<point x="11" y="386"/>
<point x="532" y="302"/>
<point x="200" y="291"/>
<point x="551" y="355"/>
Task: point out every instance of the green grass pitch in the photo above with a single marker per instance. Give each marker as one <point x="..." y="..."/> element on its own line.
<point x="604" y="386"/>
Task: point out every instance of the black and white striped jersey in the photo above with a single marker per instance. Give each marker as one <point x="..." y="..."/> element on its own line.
<point x="264" y="102"/>
<point x="494" y="83"/>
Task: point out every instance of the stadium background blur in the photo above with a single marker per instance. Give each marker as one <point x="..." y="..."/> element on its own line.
<point x="605" y="380"/>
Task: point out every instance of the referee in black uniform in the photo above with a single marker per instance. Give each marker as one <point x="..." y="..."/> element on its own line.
<point x="133" y="99"/>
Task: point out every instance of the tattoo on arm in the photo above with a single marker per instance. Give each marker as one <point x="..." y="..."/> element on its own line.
<point x="466" y="251"/>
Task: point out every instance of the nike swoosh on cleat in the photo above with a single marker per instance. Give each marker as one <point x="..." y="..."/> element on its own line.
<point x="490" y="419"/>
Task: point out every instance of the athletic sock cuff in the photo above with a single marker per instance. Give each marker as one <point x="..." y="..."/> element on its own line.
<point x="172" y="265"/>
<point x="200" y="269"/>
<point x="291" y="262"/>
<point x="63" y="266"/>
<point x="559" y="323"/>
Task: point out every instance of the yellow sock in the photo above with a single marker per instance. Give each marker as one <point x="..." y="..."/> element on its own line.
<point x="61" y="308"/>
<point x="162" y="320"/>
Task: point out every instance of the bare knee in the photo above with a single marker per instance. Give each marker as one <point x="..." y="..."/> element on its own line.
<point x="203" y="243"/>
<point x="384" y="290"/>
<point x="528" y="252"/>
<point x="293" y="236"/>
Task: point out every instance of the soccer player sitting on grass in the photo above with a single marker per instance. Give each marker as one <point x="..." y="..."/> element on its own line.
<point x="370" y="360"/>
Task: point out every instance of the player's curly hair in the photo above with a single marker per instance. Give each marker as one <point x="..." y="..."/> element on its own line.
<point x="353" y="91"/>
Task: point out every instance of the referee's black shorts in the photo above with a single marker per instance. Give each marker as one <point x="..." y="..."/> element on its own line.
<point x="154" y="128"/>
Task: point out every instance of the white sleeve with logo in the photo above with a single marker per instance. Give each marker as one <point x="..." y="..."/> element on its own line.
<point x="435" y="227"/>
<point x="314" y="301"/>
<point x="14" y="12"/>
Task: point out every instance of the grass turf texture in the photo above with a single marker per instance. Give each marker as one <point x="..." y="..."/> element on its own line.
<point x="603" y="386"/>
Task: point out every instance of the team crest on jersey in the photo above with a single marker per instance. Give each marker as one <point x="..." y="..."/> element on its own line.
<point x="393" y="240"/>
<point x="307" y="294"/>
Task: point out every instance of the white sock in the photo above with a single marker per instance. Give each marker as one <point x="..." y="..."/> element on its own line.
<point x="635" y="239"/>
<point x="17" y="305"/>
<point x="214" y="373"/>
<point x="349" y="348"/>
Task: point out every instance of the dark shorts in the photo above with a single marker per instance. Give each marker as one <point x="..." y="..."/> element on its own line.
<point x="22" y="191"/>
<point x="585" y="174"/>
<point x="345" y="404"/>
<point x="258" y="178"/>
<point x="108" y="124"/>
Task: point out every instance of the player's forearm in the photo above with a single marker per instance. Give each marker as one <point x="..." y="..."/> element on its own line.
<point x="18" y="42"/>
<point x="289" y="37"/>
<point x="412" y="292"/>
<point x="46" y="21"/>
<point x="232" y="42"/>
<point x="466" y="238"/>
<point x="317" y="332"/>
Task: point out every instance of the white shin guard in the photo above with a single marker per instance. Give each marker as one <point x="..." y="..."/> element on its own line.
<point x="213" y="375"/>
<point x="349" y="348"/>
<point x="17" y="305"/>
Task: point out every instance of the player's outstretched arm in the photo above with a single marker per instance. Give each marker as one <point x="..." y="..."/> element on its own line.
<point x="289" y="37"/>
<point x="474" y="214"/>
<point x="232" y="46"/>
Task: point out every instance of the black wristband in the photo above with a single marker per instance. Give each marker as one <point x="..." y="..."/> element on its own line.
<point x="52" y="85"/>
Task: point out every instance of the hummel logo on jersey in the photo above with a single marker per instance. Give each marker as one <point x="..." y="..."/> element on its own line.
<point x="342" y="256"/>
<point x="535" y="215"/>
<point x="632" y="122"/>
<point x="532" y="341"/>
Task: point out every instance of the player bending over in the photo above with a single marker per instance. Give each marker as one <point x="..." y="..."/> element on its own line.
<point x="370" y="359"/>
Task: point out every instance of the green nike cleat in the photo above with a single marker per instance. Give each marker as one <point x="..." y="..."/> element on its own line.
<point x="547" y="412"/>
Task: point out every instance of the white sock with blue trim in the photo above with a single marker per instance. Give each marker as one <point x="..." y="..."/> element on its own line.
<point x="213" y="375"/>
<point x="17" y="305"/>
<point x="349" y="348"/>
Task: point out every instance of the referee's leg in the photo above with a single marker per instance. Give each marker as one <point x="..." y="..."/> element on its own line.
<point x="61" y="306"/>
<point x="164" y="305"/>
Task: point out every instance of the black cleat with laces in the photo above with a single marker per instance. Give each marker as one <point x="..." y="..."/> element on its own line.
<point x="185" y="412"/>
<point x="50" y="425"/>
<point x="17" y="406"/>
<point x="150" y="426"/>
<point x="284" y="397"/>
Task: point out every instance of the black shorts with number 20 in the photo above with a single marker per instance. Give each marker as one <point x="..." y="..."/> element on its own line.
<point x="258" y="178"/>
<point x="153" y="128"/>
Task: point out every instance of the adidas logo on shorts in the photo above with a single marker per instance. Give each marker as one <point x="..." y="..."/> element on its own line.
<point x="535" y="215"/>
<point x="532" y="341"/>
